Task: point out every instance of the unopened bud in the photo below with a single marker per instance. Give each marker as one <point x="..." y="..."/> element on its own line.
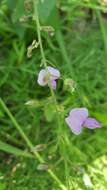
<point x="60" y="109"/>
<point x="34" y="45"/>
<point x="69" y="85"/>
<point x="49" y="29"/>
<point x="24" y="18"/>
<point x="33" y="103"/>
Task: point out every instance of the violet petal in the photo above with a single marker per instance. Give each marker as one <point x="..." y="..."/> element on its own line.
<point x="74" y="124"/>
<point x="41" y="78"/>
<point x="76" y="119"/>
<point x="91" y="123"/>
<point x="79" y="113"/>
<point x="53" y="84"/>
<point x="54" y="73"/>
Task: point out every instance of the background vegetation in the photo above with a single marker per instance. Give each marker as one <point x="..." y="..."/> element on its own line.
<point x="78" y="49"/>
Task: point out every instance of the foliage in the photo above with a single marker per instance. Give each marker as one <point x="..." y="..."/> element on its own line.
<point x="78" y="49"/>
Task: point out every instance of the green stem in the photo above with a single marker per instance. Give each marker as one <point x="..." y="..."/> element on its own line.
<point x="36" y="18"/>
<point x="18" y="127"/>
<point x="39" y="34"/>
<point x="42" y="51"/>
<point x="15" y="123"/>
<point x="29" y="143"/>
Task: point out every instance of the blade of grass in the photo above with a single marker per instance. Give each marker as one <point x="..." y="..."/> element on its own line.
<point x="30" y="145"/>
<point x="65" y="57"/>
<point x="13" y="150"/>
<point x="103" y="29"/>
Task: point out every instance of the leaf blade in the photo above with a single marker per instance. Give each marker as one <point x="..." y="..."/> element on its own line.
<point x="13" y="150"/>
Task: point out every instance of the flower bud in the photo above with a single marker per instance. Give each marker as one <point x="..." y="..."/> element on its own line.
<point x="49" y="29"/>
<point x="34" y="45"/>
<point x="23" y="19"/>
<point x="69" y="85"/>
<point x="33" y="103"/>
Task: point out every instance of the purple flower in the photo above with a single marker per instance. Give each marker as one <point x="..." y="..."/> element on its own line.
<point x="78" y="119"/>
<point x="48" y="75"/>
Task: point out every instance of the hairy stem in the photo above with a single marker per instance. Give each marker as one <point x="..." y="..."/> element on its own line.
<point x="36" y="18"/>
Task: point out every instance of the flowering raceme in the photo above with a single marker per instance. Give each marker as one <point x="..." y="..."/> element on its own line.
<point x="78" y="119"/>
<point x="49" y="75"/>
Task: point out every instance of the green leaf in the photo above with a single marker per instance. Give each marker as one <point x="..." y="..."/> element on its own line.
<point x="13" y="150"/>
<point x="18" y="11"/>
<point x="48" y="13"/>
<point x="2" y="186"/>
<point x="49" y="112"/>
<point x="45" y="8"/>
<point x="11" y="4"/>
<point x="1" y="114"/>
<point x="17" y="8"/>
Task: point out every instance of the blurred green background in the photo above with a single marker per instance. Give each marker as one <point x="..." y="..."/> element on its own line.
<point x="78" y="49"/>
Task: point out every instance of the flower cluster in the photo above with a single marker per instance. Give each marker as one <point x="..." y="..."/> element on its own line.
<point x="78" y="117"/>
